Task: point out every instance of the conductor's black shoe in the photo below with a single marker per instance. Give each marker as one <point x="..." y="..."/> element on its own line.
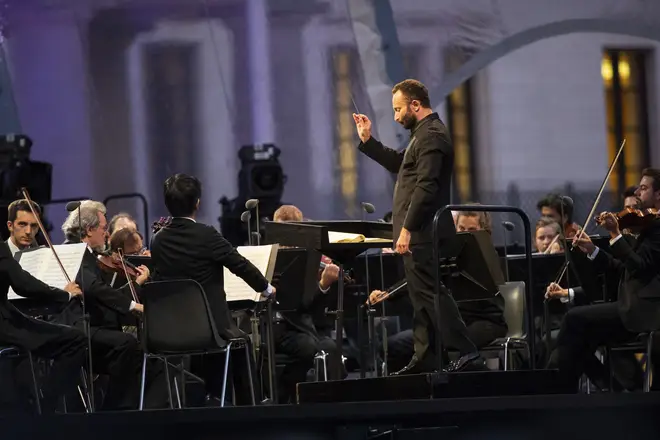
<point x="468" y="362"/>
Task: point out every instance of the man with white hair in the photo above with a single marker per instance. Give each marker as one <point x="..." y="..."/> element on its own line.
<point x="114" y="352"/>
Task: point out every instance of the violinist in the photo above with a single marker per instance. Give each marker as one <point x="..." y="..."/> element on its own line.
<point x="559" y="208"/>
<point x="121" y="221"/>
<point x="124" y="220"/>
<point x="23" y="226"/>
<point x="637" y="308"/>
<point x="115" y="353"/>
<point x="630" y="200"/>
<point x="547" y="236"/>
<point x="64" y="345"/>
<point x="295" y="333"/>
<point x="129" y="242"/>
<point x="186" y="249"/>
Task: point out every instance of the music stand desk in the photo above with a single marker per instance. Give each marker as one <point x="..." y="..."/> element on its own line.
<point x="314" y="235"/>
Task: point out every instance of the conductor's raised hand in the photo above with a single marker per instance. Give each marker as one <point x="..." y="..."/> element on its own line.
<point x="363" y="125"/>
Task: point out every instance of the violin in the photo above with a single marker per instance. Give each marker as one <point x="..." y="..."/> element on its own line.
<point x="113" y="264"/>
<point x="161" y="223"/>
<point x="631" y="218"/>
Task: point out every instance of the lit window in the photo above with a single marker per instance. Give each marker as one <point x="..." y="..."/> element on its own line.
<point x="624" y="78"/>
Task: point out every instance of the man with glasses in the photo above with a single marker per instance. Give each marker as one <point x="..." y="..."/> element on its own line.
<point x="114" y="352"/>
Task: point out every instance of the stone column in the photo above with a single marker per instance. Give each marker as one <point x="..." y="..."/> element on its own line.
<point x="259" y="71"/>
<point x="48" y="69"/>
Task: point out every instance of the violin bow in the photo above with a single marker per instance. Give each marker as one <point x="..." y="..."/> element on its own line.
<point x="593" y="209"/>
<point x="128" y="278"/>
<point x="26" y="196"/>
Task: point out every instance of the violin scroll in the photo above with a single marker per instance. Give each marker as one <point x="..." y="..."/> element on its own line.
<point x="161" y="223"/>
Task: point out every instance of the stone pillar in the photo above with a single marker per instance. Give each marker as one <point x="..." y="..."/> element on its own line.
<point x="48" y="70"/>
<point x="259" y="71"/>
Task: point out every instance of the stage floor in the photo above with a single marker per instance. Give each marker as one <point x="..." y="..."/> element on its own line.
<point x="568" y="416"/>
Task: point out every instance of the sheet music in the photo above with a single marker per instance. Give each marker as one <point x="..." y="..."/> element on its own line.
<point x="41" y="264"/>
<point x="344" y="237"/>
<point x="263" y="257"/>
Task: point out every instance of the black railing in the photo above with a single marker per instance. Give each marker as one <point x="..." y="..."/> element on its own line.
<point x="529" y="308"/>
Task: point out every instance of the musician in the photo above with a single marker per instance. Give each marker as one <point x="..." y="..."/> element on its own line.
<point x="553" y="206"/>
<point x="638" y="306"/>
<point x="423" y="186"/>
<point x="129" y="241"/>
<point x="115" y="353"/>
<point x="23" y="226"/>
<point x="295" y="334"/>
<point x="65" y="346"/>
<point x="547" y="236"/>
<point x="484" y="319"/>
<point x="120" y="221"/>
<point x="185" y="249"/>
<point x="467" y="221"/>
<point x="630" y="200"/>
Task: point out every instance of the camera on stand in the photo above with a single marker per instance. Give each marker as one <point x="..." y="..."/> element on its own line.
<point x="261" y="177"/>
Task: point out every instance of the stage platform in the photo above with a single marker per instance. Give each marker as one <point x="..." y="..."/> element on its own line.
<point x="558" y="417"/>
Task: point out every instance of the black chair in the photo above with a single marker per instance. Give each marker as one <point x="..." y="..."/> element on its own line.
<point x="178" y="322"/>
<point x="643" y="344"/>
<point x="15" y="352"/>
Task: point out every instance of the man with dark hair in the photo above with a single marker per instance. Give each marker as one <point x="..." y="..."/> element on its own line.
<point x="467" y="221"/>
<point x="185" y="249"/>
<point x="23" y="226"/>
<point x="553" y="206"/>
<point x="637" y="308"/>
<point x="423" y="186"/>
<point x="630" y="200"/>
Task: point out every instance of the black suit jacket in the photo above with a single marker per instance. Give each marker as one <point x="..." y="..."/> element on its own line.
<point x="424" y="170"/>
<point x="639" y="289"/>
<point x="186" y="249"/>
<point x="105" y="305"/>
<point x="16" y="328"/>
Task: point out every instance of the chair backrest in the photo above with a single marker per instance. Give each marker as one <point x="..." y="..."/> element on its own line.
<point x="177" y="318"/>
<point x="513" y="293"/>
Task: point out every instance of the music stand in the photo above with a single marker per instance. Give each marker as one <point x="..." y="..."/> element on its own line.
<point x="478" y="271"/>
<point x="296" y="271"/>
<point x="140" y="260"/>
<point x="469" y="268"/>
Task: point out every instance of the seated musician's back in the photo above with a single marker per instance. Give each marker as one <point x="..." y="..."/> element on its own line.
<point x="185" y="249"/>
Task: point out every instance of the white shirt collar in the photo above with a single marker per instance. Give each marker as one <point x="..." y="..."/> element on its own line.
<point x="12" y="246"/>
<point x="188" y="218"/>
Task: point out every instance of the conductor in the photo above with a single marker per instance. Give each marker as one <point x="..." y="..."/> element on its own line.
<point x="423" y="186"/>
